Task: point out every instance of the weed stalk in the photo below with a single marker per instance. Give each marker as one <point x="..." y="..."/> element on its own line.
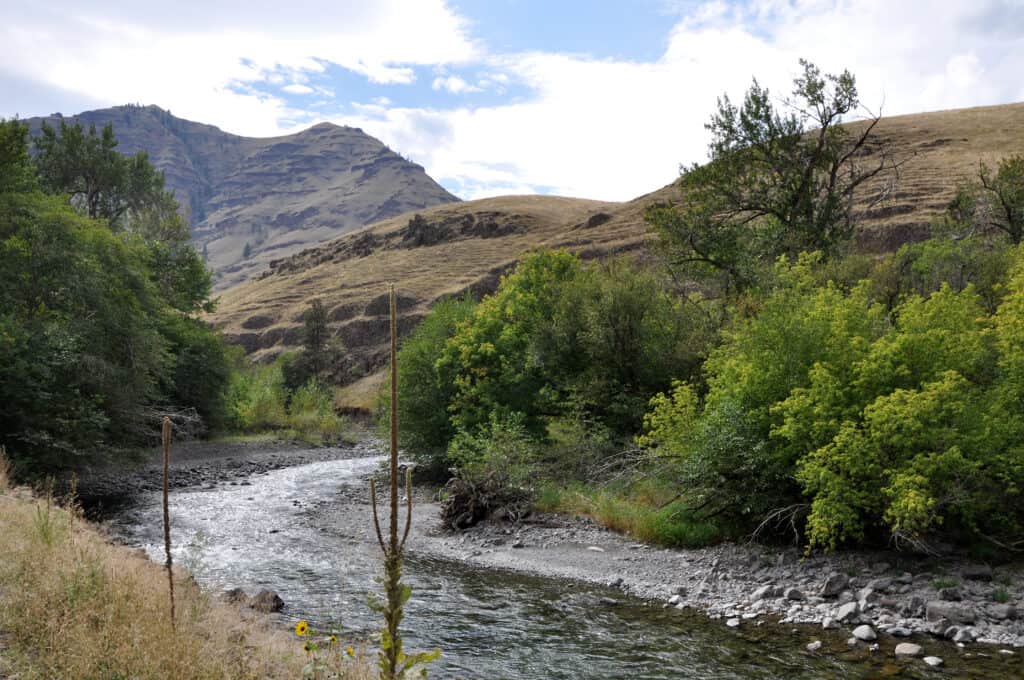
<point x="166" y="436"/>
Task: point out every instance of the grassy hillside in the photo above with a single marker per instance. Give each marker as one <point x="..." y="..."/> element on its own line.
<point x="467" y="246"/>
<point x="275" y="195"/>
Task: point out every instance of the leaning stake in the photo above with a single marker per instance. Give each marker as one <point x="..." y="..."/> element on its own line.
<point x="166" y="435"/>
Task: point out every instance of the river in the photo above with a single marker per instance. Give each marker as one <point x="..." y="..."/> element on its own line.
<point x="269" y="531"/>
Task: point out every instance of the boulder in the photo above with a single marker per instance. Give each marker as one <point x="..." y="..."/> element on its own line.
<point x="235" y="596"/>
<point x="267" y="601"/>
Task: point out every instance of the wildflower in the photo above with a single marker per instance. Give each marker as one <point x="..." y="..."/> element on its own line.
<point x="301" y="628"/>
<point x="332" y="639"/>
<point x="351" y="652"/>
<point x="309" y="647"/>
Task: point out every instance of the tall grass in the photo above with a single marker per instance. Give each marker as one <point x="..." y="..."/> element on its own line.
<point x="647" y="511"/>
<point x="76" y="606"/>
<point x="261" y="403"/>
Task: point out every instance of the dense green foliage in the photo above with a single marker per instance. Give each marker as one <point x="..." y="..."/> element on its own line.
<point x="558" y="344"/>
<point x="97" y="333"/>
<point x="862" y="421"/>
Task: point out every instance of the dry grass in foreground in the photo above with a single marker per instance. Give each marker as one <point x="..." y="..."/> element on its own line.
<point x="72" y="605"/>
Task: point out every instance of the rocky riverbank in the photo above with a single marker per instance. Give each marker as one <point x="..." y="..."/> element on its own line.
<point x="870" y="595"/>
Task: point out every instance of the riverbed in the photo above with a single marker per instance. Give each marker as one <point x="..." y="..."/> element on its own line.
<point x="304" y="531"/>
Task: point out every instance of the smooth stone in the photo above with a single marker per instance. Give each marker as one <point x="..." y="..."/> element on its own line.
<point x="865" y="633"/>
<point x="908" y="649"/>
<point x="828" y="623"/>
<point x="933" y="660"/>
<point x="1003" y="612"/>
<point x="847" y="611"/>
<point x="733" y="623"/>
<point x="898" y="631"/>
<point x="814" y="646"/>
<point x="594" y="548"/>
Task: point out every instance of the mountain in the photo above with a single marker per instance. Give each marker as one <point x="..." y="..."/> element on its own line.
<point x="449" y="249"/>
<point x="253" y="200"/>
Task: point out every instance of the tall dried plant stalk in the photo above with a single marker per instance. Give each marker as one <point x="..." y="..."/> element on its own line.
<point x="393" y="662"/>
<point x="166" y="436"/>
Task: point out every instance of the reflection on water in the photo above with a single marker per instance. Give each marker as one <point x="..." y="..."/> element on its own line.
<point x="259" y="534"/>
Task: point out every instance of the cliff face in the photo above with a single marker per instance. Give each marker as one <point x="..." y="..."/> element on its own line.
<point x="276" y="195"/>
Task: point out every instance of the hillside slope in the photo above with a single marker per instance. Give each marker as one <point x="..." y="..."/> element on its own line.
<point x="275" y="195"/>
<point x="467" y="246"/>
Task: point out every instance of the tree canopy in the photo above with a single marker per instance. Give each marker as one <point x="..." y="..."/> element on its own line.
<point x="779" y="180"/>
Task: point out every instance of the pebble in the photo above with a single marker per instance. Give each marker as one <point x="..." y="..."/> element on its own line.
<point x="908" y="649"/>
<point x="595" y="548"/>
<point x="814" y="646"/>
<point x="933" y="660"/>
<point x="733" y="623"/>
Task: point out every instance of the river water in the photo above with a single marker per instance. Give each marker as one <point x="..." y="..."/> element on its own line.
<point x="263" y="532"/>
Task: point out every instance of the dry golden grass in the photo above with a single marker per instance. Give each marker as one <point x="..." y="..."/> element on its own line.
<point x="73" y="605"/>
<point x="349" y="274"/>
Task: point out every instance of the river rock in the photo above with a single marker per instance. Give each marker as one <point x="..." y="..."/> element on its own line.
<point x="733" y="623"/>
<point x="914" y="607"/>
<point x="865" y="633"/>
<point x="955" y="612"/>
<point x="794" y="594"/>
<point x="674" y="600"/>
<point x="933" y="661"/>
<point x="764" y="593"/>
<point x="964" y="635"/>
<point x="880" y="585"/>
<point x="977" y="572"/>
<point x="267" y="601"/>
<point x="1002" y="612"/>
<point x="908" y="649"/>
<point x="834" y="584"/>
<point x="951" y="594"/>
<point x="898" y="631"/>
<point x="235" y="596"/>
<point x="847" y="612"/>
<point x="814" y="646"/>
<point x="828" y="623"/>
<point x="595" y="548"/>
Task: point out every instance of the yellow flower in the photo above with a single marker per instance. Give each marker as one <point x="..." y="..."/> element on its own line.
<point x="301" y="628"/>
<point x="332" y="639"/>
<point x="351" y="652"/>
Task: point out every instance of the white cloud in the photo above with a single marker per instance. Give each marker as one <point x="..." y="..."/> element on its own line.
<point x="586" y="127"/>
<point x="182" y="57"/>
<point x="615" y="130"/>
<point x="453" y="84"/>
<point x="298" y="88"/>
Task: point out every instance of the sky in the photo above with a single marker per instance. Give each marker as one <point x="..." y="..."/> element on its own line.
<point x="594" y="99"/>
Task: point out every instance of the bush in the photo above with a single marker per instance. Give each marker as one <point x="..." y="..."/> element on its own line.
<point x="495" y="474"/>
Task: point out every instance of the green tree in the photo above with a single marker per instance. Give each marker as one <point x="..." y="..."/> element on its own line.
<point x="779" y="181"/>
<point x="422" y="411"/>
<point x="100" y="181"/>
